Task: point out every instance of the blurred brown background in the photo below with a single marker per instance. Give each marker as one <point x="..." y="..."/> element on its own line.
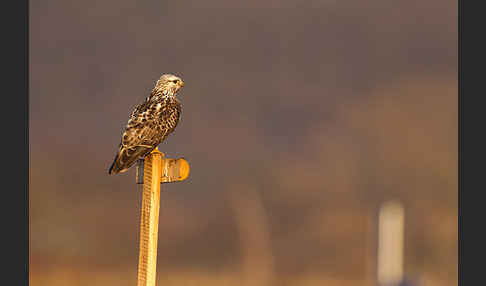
<point x="299" y="119"/>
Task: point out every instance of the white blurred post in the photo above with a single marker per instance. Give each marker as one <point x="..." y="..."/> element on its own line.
<point x="390" y="244"/>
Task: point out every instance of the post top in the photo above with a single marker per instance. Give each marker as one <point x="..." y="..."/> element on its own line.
<point x="156" y="151"/>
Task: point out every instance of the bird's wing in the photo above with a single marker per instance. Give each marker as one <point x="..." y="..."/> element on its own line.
<point x="139" y="138"/>
<point x="140" y="108"/>
<point x="142" y="128"/>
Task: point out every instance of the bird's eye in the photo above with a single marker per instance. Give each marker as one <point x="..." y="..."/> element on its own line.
<point x="175" y="80"/>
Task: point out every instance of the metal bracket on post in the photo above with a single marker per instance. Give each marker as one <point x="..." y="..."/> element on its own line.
<point x="173" y="170"/>
<point x="151" y="171"/>
<point x="139" y="171"/>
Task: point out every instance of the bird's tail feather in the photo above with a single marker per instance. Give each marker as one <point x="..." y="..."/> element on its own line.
<point x="113" y="164"/>
<point x="126" y="157"/>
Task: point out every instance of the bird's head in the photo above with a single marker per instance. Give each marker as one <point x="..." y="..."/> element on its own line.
<point x="169" y="83"/>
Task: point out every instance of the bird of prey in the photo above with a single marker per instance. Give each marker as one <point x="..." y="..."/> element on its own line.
<point x="150" y="123"/>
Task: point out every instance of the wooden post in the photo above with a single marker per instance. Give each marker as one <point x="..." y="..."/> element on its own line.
<point x="149" y="222"/>
<point x="154" y="171"/>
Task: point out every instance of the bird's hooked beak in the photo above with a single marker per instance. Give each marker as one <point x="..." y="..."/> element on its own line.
<point x="180" y="83"/>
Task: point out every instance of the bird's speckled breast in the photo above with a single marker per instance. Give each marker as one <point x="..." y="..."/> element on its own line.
<point x="167" y="113"/>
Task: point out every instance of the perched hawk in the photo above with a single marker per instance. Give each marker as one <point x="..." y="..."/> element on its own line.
<point x="149" y="123"/>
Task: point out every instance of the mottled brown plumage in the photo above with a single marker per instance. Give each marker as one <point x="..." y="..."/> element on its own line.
<point x="150" y="123"/>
